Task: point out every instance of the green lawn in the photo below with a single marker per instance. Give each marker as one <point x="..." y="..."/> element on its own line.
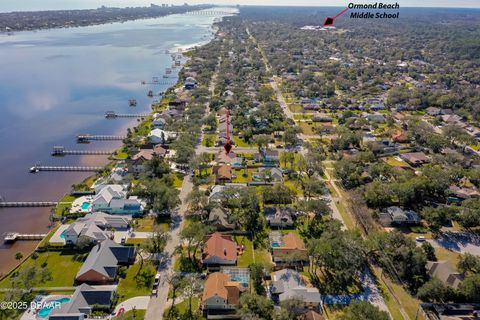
<point x="239" y="142"/>
<point x="121" y="153"/>
<point x="240" y="175"/>
<point x="63" y="268"/>
<point x="247" y="257"/>
<point x="178" y="180"/>
<point x="64" y="207"/>
<point x="182" y="308"/>
<point x="209" y="140"/>
<point x="133" y="315"/>
<point x="137" y="282"/>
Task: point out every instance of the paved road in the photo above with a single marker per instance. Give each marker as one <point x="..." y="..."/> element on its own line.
<point x="157" y="304"/>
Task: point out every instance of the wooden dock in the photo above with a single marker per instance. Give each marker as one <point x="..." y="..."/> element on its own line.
<point x="82" y="138"/>
<point x="11" y="237"/>
<point x="32" y="204"/>
<point x="37" y="168"/>
<point x="113" y="114"/>
<point x="61" y="151"/>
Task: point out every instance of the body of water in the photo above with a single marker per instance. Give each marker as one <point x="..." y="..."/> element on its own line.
<point x="58" y="83"/>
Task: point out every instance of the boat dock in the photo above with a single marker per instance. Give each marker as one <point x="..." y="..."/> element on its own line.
<point x="11" y="237"/>
<point x="113" y="114"/>
<point x="32" y="204"/>
<point x="61" y="151"/>
<point x="82" y="138"/>
<point x="37" y="168"/>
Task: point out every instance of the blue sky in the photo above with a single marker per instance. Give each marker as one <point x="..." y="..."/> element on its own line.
<point x="12" y="5"/>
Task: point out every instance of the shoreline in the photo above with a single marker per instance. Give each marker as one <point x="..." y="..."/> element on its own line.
<point x="121" y="130"/>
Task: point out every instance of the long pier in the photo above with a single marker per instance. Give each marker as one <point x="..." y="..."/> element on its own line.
<point x="90" y="137"/>
<point x="38" y="168"/>
<point x="32" y="204"/>
<point x="59" y="151"/>
<point x="113" y="114"/>
<point x="14" y="236"/>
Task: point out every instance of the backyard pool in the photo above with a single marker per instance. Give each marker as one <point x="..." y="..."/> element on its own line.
<point x="85" y="205"/>
<point x="50" y="305"/>
<point x="62" y="235"/>
<point x="275" y="245"/>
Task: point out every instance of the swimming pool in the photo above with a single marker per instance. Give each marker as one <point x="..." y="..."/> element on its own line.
<point x="50" y="305"/>
<point x="62" y="235"/>
<point x="275" y="245"/>
<point x="85" y="205"/>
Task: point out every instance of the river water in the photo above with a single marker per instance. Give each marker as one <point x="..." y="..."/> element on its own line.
<point x="55" y="84"/>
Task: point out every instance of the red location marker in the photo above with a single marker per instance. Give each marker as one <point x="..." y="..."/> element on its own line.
<point x="329" y="21"/>
<point x="228" y="147"/>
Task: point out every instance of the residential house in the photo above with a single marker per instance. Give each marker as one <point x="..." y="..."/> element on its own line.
<point x="443" y="271"/>
<point x="310" y="315"/>
<point x="190" y="83"/>
<point x="224" y="158"/>
<point x="158" y="122"/>
<point x="237" y="162"/>
<point x="433" y="111"/>
<point x="464" y="193"/>
<point x="83" y="301"/>
<point x="450" y="311"/>
<point x="113" y="199"/>
<point x="287" y="284"/>
<point x="220" y="294"/>
<point x="95" y="227"/>
<point x="396" y="216"/>
<point x="223" y="173"/>
<point x="267" y="156"/>
<point x="102" y="263"/>
<point x="216" y="193"/>
<point x="327" y="128"/>
<point x="400" y="136"/>
<point x="415" y="158"/>
<point x="218" y="218"/>
<point x="281" y="216"/>
<point x="271" y="173"/>
<point x="219" y="250"/>
<point x="376" y="117"/>
<point x="322" y="117"/>
<point x="222" y="129"/>
<point x="159" y="136"/>
<point x="287" y="248"/>
<point x="137" y="163"/>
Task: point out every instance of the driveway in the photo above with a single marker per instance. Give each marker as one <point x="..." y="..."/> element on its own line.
<point x="139" y="303"/>
<point x="462" y="242"/>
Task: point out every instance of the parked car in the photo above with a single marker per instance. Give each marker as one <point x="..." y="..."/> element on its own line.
<point x="420" y="239"/>
<point x="156" y="282"/>
<point x="155" y="292"/>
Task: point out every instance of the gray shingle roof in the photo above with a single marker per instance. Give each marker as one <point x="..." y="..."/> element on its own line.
<point x="105" y="257"/>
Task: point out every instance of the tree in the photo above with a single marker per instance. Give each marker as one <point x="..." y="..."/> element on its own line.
<point x="363" y="310"/>
<point x="155" y="244"/>
<point x="257" y="273"/>
<point x="194" y="235"/>
<point x="292" y="307"/>
<point x="197" y="200"/>
<point x="470" y="288"/>
<point x="433" y="291"/>
<point x="469" y="216"/>
<point x="262" y="140"/>
<point x="160" y="196"/>
<point x="201" y="163"/>
<point x="290" y="135"/>
<point x="18" y="256"/>
<point x="468" y="263"/>
<point x="157" y="167"/>
<point x="259" y="306"/>
<point x="190" y="289"/>
<point x="429" y="251"/>
<point x="278" y="194"/>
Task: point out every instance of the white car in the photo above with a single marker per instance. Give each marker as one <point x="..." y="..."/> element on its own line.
<point x="420" y="239"/>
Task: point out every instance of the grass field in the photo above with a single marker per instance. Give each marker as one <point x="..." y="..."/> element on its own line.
<point x="63" y="268"/>
<point x="247" y="258"/>
<point x="239" y="142"/>
<point x="209" y="140"/>
<point x="137" y="282"/>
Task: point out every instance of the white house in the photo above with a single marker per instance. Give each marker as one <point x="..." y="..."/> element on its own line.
<point x="113" y="199"/>
<point x="160" y="136"/>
